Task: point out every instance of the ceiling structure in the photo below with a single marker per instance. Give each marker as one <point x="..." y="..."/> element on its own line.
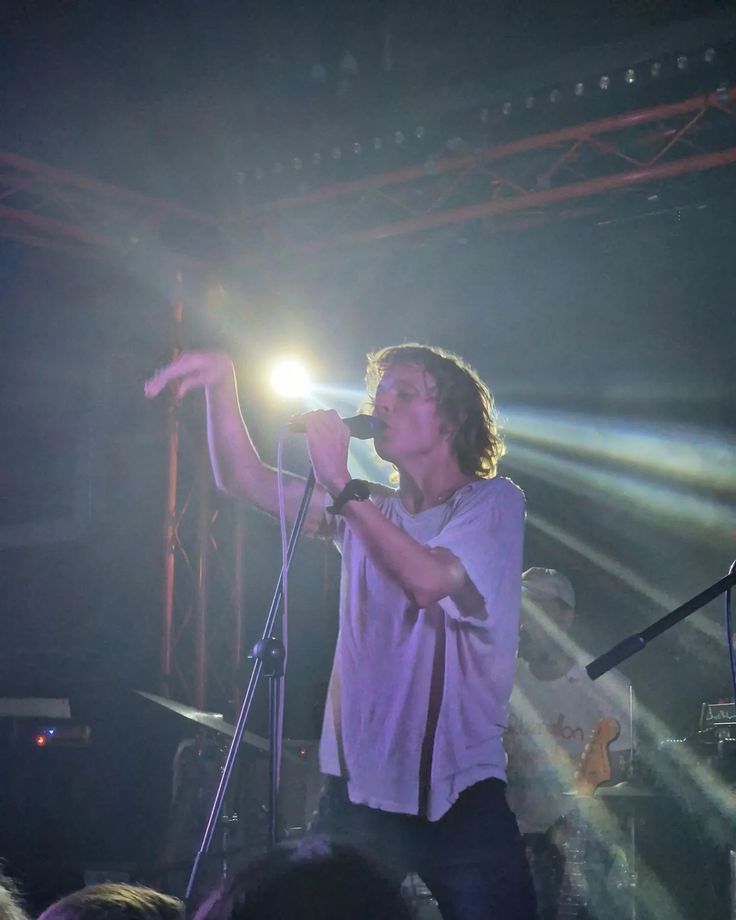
<point x="601" y="134"/>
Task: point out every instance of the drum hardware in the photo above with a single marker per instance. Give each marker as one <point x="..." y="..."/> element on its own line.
<point x="717" y="714"/>
<point x="423" y="903"/>
<point x="242" y="824"/>
<point x="626" y="790"/>
<point x="216" y="722"/>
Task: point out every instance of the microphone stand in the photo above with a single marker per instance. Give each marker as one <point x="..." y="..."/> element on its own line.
<point x="268" y="654"/>
<point x="635" y="643"/>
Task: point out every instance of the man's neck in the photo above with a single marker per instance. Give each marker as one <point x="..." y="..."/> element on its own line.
<point x="431" y="485"/>
<point x="550" y="665"/>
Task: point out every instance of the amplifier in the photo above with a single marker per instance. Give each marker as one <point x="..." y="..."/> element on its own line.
<point x="713" y="714"/>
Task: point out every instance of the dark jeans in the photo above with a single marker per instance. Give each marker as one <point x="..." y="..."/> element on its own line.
<point x="472" y="859"/>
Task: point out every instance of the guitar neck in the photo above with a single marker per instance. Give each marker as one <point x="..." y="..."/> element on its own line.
<point x="594" y="769"/>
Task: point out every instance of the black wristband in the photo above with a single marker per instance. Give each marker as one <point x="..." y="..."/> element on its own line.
<point x="356" y="490"/>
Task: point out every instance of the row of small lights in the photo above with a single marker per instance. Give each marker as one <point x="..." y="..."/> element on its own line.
<point x="399" y="138"/>
<point x="605" y="82"/>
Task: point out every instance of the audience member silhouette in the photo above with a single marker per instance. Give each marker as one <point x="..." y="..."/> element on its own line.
<point x="11" y="907"/>
<point x="318" y="880"/>
<point x="115" y="901"/>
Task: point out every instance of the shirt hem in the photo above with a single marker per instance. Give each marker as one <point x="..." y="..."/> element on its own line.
<point x="459" y="782"/>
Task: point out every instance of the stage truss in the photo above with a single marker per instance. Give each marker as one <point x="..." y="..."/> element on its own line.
<point x="587" y="170"/>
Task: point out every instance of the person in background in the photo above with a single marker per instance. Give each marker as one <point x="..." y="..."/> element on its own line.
<point x="554" y="710"/>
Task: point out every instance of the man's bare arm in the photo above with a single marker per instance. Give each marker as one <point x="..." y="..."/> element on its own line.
<point x="425" y="574"/>
<point x="237" y="467"/>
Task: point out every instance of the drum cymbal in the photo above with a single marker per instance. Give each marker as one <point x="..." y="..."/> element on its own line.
<point x="214" y="721"/>
<point x="625" y="789"/>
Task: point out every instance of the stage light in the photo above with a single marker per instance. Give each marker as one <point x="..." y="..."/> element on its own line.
<point x="316" y="159"/>
<point x="399" y="138"/>
<point x="604" y="82"/>
<point x="290" y="378"/>
<point x="682" y="62"/>
<point x="278" y="168"/>
<point x="656" y="69"/>
<point x="630" y="75"/>
<point x="579" y="89"/>
<point x="555" y="96"/>
<point x="506" y="108"/>
<point x="709" y="56"/>
<point x="484" y="114"/>
<point x="529" y="102"/>
<point x="377" y="143"/>
<point x="357" y="148"/>
<point x="297" y="163"/>
<point x="336" y="153"/>
<point x="419" y="133"/>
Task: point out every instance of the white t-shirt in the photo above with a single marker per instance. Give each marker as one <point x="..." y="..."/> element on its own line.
<point x="416" y="706"/>
<point x="550" y="723"/>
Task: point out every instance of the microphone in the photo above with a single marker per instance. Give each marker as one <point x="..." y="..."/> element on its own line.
<point x="362" y="427"/>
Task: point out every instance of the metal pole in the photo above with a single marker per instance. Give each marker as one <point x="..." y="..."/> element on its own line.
<point x="170" y="514"/>
<point x="238" y="605"/>
<point x="201" y="606"/>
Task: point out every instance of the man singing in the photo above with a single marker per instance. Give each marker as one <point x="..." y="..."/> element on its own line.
<point x="429" y="613"/>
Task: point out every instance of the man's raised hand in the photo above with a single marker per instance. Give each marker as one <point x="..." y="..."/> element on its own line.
<point x="191" y="370"/>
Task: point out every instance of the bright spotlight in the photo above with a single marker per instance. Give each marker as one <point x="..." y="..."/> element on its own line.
<point x="290" y="378"/>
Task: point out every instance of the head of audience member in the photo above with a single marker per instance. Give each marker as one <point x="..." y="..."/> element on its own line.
<point x="11" y="907"/>
<point x="318" y="880"/>
<point x="547" y="614"/>
<point x="115" y="901"/>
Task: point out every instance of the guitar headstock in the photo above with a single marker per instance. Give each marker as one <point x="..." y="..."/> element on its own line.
<point x="595" y="767"/>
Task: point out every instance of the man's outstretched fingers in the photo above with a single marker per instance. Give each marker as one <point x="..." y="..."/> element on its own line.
<point x="187" y="364"/>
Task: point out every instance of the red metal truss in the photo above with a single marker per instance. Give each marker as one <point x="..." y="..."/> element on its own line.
<point x="203" y="602"/>
<point x="512" y="184"/>
<point x="202" y="598"/>
<point x="44" y="206"/>
<point x="54" y="209"/>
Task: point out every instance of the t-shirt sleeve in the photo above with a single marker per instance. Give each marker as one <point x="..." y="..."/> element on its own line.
<point x="486" y="533"/>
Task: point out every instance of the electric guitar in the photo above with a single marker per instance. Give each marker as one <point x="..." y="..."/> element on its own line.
<point x="594" y="769"/>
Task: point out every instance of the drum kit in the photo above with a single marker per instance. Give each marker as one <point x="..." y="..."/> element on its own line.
<point x="197" y="765"/>
<point x="243" y="822"/>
